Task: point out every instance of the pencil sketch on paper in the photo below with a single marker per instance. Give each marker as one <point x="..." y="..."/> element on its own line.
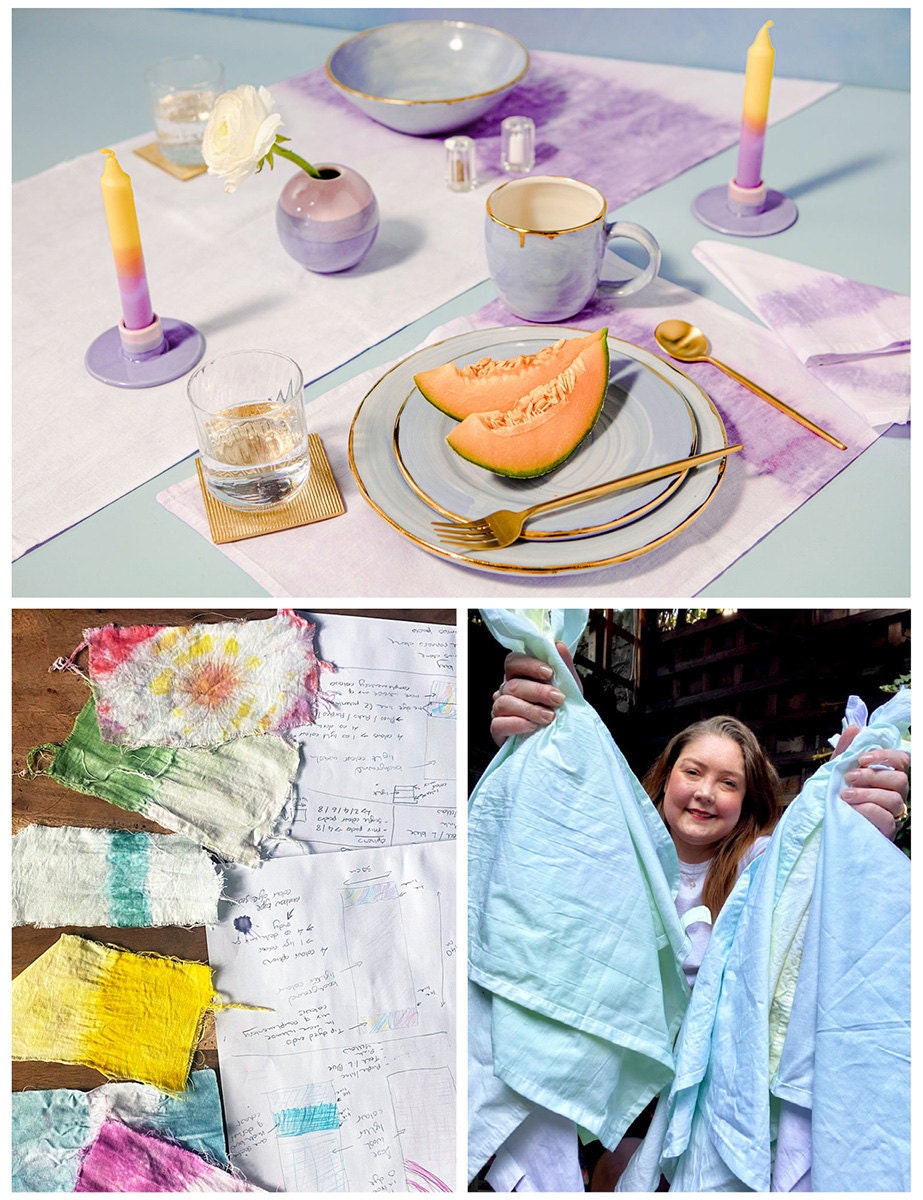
<point x="307" y="1127"/>
<point x="423" y="1103"/>
<point x="373" y="927"/>
<point x="347" y="1081"/>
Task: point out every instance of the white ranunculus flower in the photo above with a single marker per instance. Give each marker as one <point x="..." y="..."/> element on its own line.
<point x="240" y="132"/>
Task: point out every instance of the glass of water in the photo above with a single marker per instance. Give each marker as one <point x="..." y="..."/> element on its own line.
<point x="250" y="420"/>
<point x="183" y="92"/>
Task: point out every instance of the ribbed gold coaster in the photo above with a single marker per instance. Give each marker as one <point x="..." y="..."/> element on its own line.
<point x="318" y="500"/>
<point x="153" y="155"/>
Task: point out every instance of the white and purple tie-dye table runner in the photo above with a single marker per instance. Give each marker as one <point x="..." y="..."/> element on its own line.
<point x="215" y="260"/>
<point x="781" y="466"/>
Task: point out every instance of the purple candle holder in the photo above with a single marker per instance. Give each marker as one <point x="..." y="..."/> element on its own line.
<point x="139" y="358"/>
<point x="745" y="211"/>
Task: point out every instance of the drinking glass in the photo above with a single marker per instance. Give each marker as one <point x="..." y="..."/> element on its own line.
<point x="250" y="420"/>
<point x="183" y="92"/>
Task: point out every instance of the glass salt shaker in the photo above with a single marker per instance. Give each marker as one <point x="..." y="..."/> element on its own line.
<point x="517" y="144"/>
<point x="461" y="173"/>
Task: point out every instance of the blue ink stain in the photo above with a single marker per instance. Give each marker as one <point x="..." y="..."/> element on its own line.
<point x="243" y="924"/>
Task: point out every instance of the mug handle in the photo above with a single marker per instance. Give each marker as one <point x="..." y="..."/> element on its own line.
<point x="635" y="233"/>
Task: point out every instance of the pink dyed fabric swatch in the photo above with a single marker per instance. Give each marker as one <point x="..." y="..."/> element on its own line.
<point x="124" y="1160"/>
<point x="202" y="685"/>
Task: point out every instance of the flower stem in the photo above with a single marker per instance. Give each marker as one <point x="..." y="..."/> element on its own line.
<point x="297" y="160"/>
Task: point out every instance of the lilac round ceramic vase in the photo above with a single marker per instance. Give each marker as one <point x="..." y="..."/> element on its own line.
<point x="327" y="224"/>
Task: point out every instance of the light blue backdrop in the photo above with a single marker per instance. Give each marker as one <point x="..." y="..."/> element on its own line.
<point x="866" y="46"/>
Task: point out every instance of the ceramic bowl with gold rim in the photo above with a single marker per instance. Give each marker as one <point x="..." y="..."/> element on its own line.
<point x="423" y="77"/>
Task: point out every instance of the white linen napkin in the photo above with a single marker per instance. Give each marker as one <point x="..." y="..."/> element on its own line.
<point x="215" y="260"/>
<point x="852" y="336"/>
<point x="781" y="466"/>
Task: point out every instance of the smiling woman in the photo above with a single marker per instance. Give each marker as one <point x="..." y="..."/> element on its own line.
<point x="742" y="883"/>
<point x="718" y="792"/>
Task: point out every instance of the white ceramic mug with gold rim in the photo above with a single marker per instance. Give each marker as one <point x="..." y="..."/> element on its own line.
<point x="546" y="239"/>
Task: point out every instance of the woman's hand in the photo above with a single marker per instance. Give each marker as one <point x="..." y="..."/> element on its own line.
<point x="879" y="794"/>
<point x="527" y="699"/>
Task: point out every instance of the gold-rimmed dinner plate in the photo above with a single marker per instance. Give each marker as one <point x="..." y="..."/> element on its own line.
<point x="665" y="514"/>
<point x="645" y="420"/>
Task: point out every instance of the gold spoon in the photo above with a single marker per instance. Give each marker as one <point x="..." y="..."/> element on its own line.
<point x="689" y="344"/>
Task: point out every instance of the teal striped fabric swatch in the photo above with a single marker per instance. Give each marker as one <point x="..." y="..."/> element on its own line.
<point x="109" y="877"/>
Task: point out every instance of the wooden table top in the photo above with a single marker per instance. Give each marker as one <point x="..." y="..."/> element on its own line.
<point x="45" y="704"/>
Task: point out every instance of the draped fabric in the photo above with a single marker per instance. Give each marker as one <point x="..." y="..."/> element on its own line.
<point x="793" y="1065"/>
<point x="574" y="939"/>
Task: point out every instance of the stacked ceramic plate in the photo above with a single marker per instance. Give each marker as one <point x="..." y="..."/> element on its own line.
<point x="653" y="414"/>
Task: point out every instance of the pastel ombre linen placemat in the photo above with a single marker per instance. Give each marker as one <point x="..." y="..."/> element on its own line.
<point x="781" y="466"/>
<point x="215" y="260"/>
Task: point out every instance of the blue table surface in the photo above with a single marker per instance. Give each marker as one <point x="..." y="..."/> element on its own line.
<point x="844" y="160"/>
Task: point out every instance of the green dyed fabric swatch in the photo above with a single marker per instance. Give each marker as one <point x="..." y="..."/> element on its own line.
<point x="228" y="798"/>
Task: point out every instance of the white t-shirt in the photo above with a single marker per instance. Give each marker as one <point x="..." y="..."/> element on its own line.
<point x="696" y="918"/>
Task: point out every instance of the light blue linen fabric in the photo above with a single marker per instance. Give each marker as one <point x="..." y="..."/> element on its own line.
<point x="793" y="1061"/>
<point x="574" y="939"/>
<point x="860" y="965"/>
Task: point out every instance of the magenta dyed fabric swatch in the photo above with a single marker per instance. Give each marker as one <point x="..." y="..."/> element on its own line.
<point x="124" y="1160"/>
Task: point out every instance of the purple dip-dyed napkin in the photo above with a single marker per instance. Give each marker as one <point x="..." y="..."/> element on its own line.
<point x="121" y="1159"/>
<point x="853" y="337"/>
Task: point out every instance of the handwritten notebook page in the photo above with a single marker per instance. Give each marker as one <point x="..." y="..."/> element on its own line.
<point x="348" y="1082"/>
<point x="378" y="765"/>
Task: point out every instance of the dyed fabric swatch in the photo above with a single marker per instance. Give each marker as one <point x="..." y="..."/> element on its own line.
<point x="228" y="798"/>
<point x="201" y="685"/>
<point x="125" y="1160"/>
<point x="111" y="877"/>
<point x="129" y="1016"/>
<point x="51" y="1128"/>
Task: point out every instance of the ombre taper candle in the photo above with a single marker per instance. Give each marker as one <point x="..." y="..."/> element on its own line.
<point x="760" y="62"/>
<point x="119" y="202"/>
<point x="143" y="350"/>
<point x="746" y="207"/>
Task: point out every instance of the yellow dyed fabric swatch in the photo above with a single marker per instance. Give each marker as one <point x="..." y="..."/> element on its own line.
<point x="130" y="1016"/>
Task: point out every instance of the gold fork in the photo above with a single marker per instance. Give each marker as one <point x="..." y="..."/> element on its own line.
<point x="501" y="528"/>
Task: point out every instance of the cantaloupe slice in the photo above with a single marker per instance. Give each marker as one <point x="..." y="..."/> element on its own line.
<point x="494" y="385"/>
<point x="544" y="427"/>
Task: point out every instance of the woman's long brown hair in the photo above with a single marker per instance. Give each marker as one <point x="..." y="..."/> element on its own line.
<point x="759" y="812"/>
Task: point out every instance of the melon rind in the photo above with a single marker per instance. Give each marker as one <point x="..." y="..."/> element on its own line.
<point x="544" y="427"/>
<point x="494" y="385"/>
